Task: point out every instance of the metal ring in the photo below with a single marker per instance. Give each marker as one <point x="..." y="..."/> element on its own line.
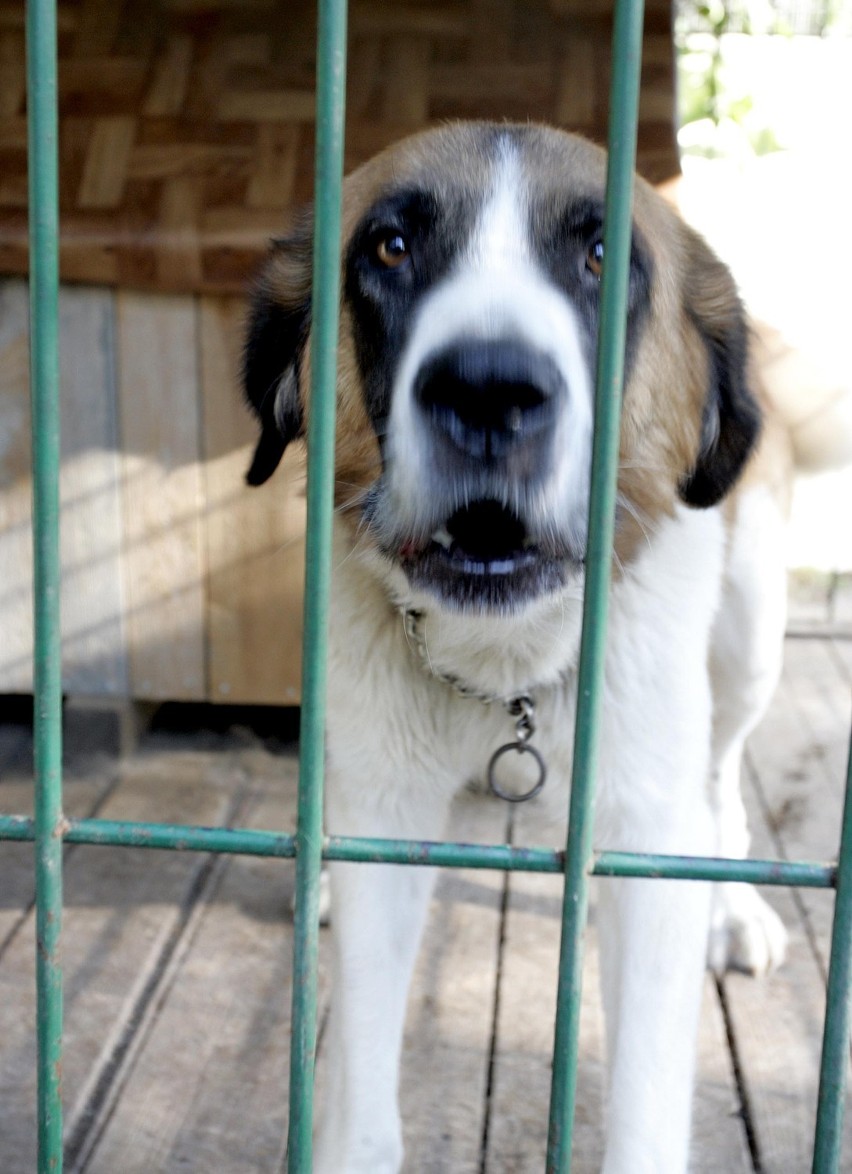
<point x="519" y="748"/>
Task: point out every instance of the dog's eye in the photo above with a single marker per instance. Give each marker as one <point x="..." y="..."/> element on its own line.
<point x="392" y="250"/>
<point x="594" y="258"/>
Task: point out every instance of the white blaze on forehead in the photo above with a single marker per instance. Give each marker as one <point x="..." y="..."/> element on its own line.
<point x="500" y="241"/>
<point x="496" y="289"/>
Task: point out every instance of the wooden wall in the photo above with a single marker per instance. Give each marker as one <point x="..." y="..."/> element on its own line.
<point x="179" y="582"/>
<point x="187" y="126"/>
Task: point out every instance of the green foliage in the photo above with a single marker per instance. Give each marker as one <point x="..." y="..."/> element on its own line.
<point x="717" y="118"/>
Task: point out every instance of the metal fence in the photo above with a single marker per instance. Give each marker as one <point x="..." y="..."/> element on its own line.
<point x="50" y="829"/>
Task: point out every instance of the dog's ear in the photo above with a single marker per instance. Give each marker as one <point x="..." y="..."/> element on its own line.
<point x="278" y="328"/>
<point x="730" y="421"/>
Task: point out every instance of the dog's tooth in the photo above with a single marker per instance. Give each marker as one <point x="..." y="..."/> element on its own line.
<point x="443" y="537"/>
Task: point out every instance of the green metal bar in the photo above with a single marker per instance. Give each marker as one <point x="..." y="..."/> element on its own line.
<point x="834" y="1064"/>
<point x="799" y="873"/>
<point x="47" y="669"/>
<point x="624" y="100"/>
<point x="331" y="94"/>
<point x="498" y="857"/>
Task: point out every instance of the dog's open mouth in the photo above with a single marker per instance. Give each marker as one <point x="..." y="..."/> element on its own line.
<point x="484" y="538"/>
<point x="483" y="554"/>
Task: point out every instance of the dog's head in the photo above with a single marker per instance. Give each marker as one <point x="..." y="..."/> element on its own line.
<point x="471" y="287"/>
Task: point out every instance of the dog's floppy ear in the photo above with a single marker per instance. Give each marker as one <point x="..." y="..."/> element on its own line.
<point x="278" y="327"/>
<point x="730" y="422"/>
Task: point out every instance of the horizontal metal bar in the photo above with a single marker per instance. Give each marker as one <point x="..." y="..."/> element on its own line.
<point x="800" y="874"/>
<point x="178" y="837"/>
<point x="501" y="857"/>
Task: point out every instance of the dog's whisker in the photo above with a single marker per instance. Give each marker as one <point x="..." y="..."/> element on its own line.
<point x="641" y="519"/>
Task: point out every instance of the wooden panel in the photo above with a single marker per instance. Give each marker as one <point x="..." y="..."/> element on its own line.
<point x="161" y="486"/>
<point x="93" y="648"/>
<point x="254" y="537"/>
<point x="208" y="79"/>
<point x="15" y="493"/>
<point x="92" y="602"/>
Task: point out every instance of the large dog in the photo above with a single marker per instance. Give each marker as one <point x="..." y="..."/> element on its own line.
<point x="470" y="278"/>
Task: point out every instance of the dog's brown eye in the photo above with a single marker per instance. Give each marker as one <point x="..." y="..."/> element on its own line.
<point x="392" y="250"/>
<point x="594" y="258"/>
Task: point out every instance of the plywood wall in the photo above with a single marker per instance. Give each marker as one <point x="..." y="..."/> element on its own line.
<point x="179" y="582"/>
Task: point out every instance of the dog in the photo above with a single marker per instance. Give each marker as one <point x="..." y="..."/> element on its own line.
<point x="470" y="279"/>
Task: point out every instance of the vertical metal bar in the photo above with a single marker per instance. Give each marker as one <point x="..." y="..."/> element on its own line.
<point x="838" y="1015"/>
<point x="624" y="100"/>
<point x="47" y="685"/>
<point x="331" y="92"/>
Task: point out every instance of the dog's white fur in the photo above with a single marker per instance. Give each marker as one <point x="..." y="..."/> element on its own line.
<point x="696" y="619"/>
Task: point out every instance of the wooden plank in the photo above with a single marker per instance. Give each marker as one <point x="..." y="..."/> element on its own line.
<point x="180" y="211"/>
<point x="93" y="638"/>
<point x="12" y="73"/>
<point x="170" y="79"/>
<point x="124" y="908"/>
<point x="163" y="556"/>
<point x="520" y="1095"/>
<point x="92" y="603"/>
<point x="406" y="80"/>
<point x="275" y="160"/>
<point x="799" y="755"/>
<point x="16" y="860"/>
<point x="450" y="1012"/>
<point x="15" y="492"/>
<point x="777" y="1024"/>
<point x="285" y="105"/>
<point x="254" y="537"/>
<point x="793" y="795"/>
<point x="107" y="161"/>
<point x="82" y="794"/>
<point x="207" y="1088"/>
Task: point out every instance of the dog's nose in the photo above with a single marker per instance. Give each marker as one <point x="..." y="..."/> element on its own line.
<point x="488" y="397"/>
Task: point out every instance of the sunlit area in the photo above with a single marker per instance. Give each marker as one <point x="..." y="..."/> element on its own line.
<point x="764" y="92"/>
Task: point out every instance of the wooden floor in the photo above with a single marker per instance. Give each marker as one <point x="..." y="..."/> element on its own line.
<point x="177" y="969"/>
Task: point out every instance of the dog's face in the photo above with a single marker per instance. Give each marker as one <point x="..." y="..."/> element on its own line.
<point x="471" y="287"/>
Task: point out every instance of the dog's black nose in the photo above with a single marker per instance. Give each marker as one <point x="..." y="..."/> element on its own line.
<point x="489" y="397"/>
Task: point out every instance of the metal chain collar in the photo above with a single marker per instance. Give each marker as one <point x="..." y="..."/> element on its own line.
<point x="520" y="706"/>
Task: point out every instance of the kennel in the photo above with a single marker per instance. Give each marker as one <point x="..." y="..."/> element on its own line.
<point x="49" y="829"/>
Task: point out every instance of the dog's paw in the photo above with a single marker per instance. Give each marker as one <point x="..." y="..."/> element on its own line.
<point x="745" y="932"/>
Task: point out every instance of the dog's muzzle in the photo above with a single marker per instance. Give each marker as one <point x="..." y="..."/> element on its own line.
<point x="486" y="414"/>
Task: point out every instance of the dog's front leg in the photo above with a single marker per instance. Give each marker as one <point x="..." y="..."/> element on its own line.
<point x="653" y="935"/>
<point x="377" y="914"/>
<point x="653" y="942"/>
